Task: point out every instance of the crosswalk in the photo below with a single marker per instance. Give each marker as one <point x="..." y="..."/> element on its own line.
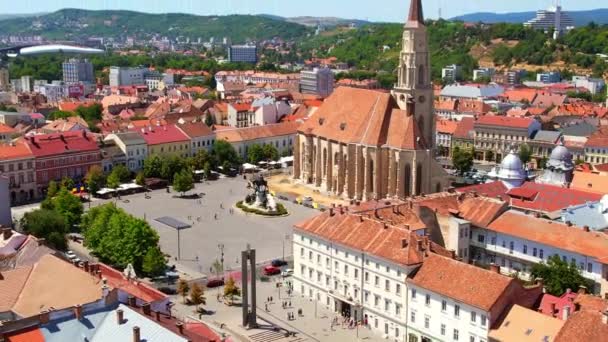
<point x="271" y="336"/>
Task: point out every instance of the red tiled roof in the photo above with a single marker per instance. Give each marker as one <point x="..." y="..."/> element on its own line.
<point x="365" y="232"/>
<point x="6" y="129"/>
<point x="256" y="132"/>
<point x="548" y="99"/>
<point x="463" y="128"/>
<point x="599" y="138"/>
<point x="446" y="126"/>
<point x="547" y="302"/>
<point x="583" y="326"/>
<point x="155" y="135"/>
<point x="195" y="129"/>
<point x="449" y="105"/>
<point x="137" y="289"/>
<point x="552" y="233"/>
<point x="492" y="120"/>
<point x="72" y="106"/>
<point x="60" y="143"/>
<point x="18" y="151"/>
<point x="465" y="283"/>
<point x="241" y="107"/>
<point x="29" y="335"/>
<point x="203" y="331"/>
<point x="492" y="189"/>
<point x="519" y="95"/>
<point x="481" y="210"/>
<point x="548" y="198"/>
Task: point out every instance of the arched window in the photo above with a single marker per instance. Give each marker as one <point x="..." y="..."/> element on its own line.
<point x="407" y="180"/>
<point x="421" y="75"/>
<point x="418" y="179"/>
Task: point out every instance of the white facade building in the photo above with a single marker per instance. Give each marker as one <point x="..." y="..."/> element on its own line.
<point x="319" y="81"/>
<point x="121" y="76"/>
<point x="134" y="148"/>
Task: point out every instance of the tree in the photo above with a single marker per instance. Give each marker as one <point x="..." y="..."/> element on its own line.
<point x="67" y="183"/>
<point x="255" y="153"/>
<point x="197" y="295"/>
<point x="462" y="160"/>
<point x="120" y="174"/>
<point x="52" y="189"/>
<point x="170" y="166"/>
<point x="60" y="114"/>
<point x="154" y="262"/>
<point x="231" y="290"/>
<point x="183" y="288"/>
<point x="113" y="181"/>
<point x="225" y="154"/>
<point x="47" y="224"/>
<point x="559" y="275"/>
<point x="117" y="237"/>
<point x="152" y="167"/>
<point x="183" y="181"/>
<point x="270" y="152"/>
<point x="68" y="206"/>
<point x="140" y="179"/>
<point x="209" y="120"/>
<point x="198" y="161"/>
<point x="94" y="179"/>
<point x="525" y="153"/>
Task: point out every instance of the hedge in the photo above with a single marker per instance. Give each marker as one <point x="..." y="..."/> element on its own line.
<point x="280" y="210"/>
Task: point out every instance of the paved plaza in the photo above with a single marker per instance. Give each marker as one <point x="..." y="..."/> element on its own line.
<point x="215" y="221"/>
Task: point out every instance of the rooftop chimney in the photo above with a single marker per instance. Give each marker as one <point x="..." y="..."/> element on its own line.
<point x="157" y="314"/>
<point x="582" y="289"/>
<point x="136" y="335"/>
<point x="41" y="241"/>
<point x="586" y="228"/>
<point x="495" y="268"/>
<point x="565" y="313"/>
<point x="180" y="327"/>
<point x="146" y="308"/>
<point x="119" y="316"/>
<point x="78" y="312"/>
<point x="85" y="265"/>
<point x="568" y="223"/>
<point x="7" y="233"/>
<point x="331" y="211"/>
<point x="44" y="317"/>
<point x="132" y="301"/>
<point x="553" y="307"/>
<point x="420" y="246"/>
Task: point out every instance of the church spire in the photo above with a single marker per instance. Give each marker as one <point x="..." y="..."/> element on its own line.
<point x="416" y="15"/>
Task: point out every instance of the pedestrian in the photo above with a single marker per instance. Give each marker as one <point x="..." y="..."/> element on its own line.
<point x="266" y="307"/>
<point x="215" y="216"/>
<point x="289" y="303"/>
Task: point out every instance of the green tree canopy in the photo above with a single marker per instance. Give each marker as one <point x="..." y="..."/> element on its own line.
<point x="197" y="295"/>
<point x="170" y="166"/>
<point x="225" y="154"/>
<point x="117" y="237"/>
<point x="52" y="189"/>
<point x="462" y="160"/>
<point x="183" y="181"/>
<point x="140" y="179"/>
<point x="65" y="204"/>
<point x="198" y="161"/>
<point x="60" y="114"/>
<point x="95" y="179"/>
<point x="154" y="262"/>
<point x="152" y="167"/>
<point x="525" y="153"/>
<point x="559" y="275"/>
<point x="255" y="153"/>
<point x="47" y="224"/>
<point x="231" y="290"/>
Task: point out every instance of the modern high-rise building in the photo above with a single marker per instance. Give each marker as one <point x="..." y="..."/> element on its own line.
<point x="77" y="70"/>
<point x="120" y="76"/>
<point x="452" y="73"/>
<point x="319" y="81"/>
<point x="552" y="18"/>
<point x="243" y="53"/>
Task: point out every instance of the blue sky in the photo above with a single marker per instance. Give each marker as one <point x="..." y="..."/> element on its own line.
<point x="375" y="10"/>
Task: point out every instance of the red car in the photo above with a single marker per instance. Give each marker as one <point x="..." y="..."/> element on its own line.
<point x="215" y="283"/>
<point x="271" y="270"/>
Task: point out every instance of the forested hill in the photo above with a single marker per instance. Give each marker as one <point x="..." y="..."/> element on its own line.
<point x="376" y="47"/>
<point x="581" y="18"/>
<point x="68" y="24"/>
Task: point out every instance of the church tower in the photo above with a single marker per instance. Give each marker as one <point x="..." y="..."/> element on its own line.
<point x="414" y="76"/>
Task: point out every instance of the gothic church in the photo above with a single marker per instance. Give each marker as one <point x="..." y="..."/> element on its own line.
<point x="365" y="144"/>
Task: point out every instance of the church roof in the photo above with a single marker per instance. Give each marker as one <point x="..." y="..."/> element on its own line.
<point x="367" y="117"/>
<point x="416" y="15"/>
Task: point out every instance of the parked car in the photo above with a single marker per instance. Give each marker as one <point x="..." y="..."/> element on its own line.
<point x="271" y="270"/>
<point x="215" y="283"/>
<point x="278" y="263"/>
<point x="287" y="273"/>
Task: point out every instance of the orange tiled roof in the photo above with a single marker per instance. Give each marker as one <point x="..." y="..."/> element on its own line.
<point x="446" y="126"/>
<point x="590" y="182"/>
<point x="583" y="326"/>
<point x="6" y="129"/>
<point x="466" y="283"/>
<point x="481" y="210"/>
<point x="449" y="105"/>
<point x="599" y="138"/>
<point x="552" y="233"/>
<point x="493" y="120"/>
<point x="351" y="115"/>
<point x="19" y="151"/>
<point x="519" y="95"/>
<point x="464" y="128"/>
<point x="366" y="232"/>
<point x="256" y="132"/>
<point x="29" y="335"/>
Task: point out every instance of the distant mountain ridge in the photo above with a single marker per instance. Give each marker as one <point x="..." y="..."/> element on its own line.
<point x="581" y="18"/>
<point x="77" y="23"/>
<point x="21" y="15"/>
<point x="315" y="21"/>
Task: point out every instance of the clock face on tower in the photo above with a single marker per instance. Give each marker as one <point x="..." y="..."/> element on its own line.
<point x="421" y="99"/>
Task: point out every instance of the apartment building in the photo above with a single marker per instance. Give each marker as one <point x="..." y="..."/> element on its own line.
<point x="133" y="147"/>
<point x="165" y="140"/>
<point x="17" y="165"/>
<point x="596" y="147"/>
<point x="282" y="136"/>
<point x="201" y="136"/>
<point x="61" y="155"/>
<point x="495" y="136"/>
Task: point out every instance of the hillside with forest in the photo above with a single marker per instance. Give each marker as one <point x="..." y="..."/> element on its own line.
<point x="376" y="47"/>
<point x="68" y="24"/>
